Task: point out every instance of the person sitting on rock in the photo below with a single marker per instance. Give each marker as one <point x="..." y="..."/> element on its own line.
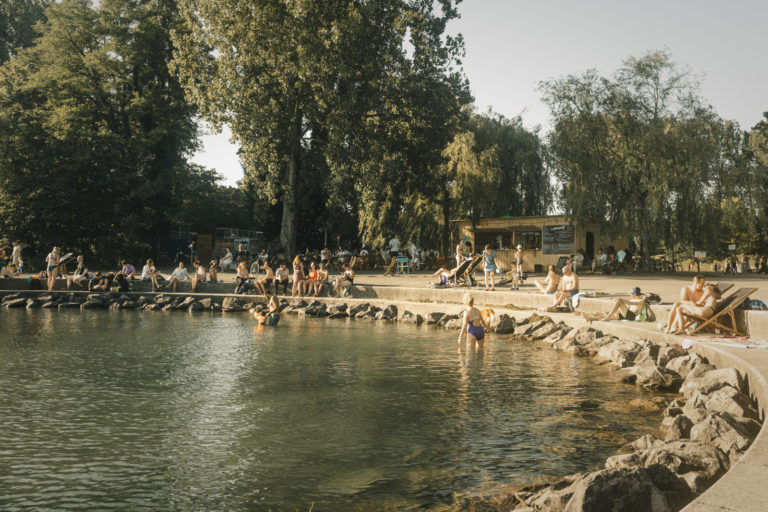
<point x="199" y="275"/>
<point x="622" y="309"/>
<point x="570" y="287"/>
<point x="550" y="284"/>
<point x="179" y="274"/>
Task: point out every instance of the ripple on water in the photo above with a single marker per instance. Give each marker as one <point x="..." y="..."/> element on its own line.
<point x="145" y="411"/>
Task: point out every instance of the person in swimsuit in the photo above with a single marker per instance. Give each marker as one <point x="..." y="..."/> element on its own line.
<point x="346" y="280"/>
<point x="266" y="284"/>
<point x="705" y="307"/>
<point x="622" y="309"/>
<point x="489" y="266"/>
<point x="298" y="276"/>
<point x="309" y="283"/>
<point x="474" y="325"/>
<point x="446" y="277"/>
<point x="688" y="296"/>
<point x="322" y="279"/>
<point x="264" y="314"/>
<point x="53" y="259"/>
<point x="549" y="286"/>
<point x="570" y="288"/>
<point x="242" y="278"/>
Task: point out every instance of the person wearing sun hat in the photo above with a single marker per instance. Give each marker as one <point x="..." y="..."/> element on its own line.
<point x="622" y="309"/>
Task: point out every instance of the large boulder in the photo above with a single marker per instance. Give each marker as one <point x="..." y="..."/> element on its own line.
<point x="388" y="313"/>
<point x="19" y="302"/>
<point x="721" y="430"/>
<point x="668" y="353"/>
<point x="593" y="347"/>
<point x="652" y="489"/>
<point x="645" y="442"/>
<point x="559" y="334"/>
<point x="621" y="353"/>
<point x="229" y="304"/>
<point x="359" y="308"/>
<point x="696" y="408"/>
<point x="528" y="328"/>
<point x="731" y="400"/>
<point x="410" y="318"/>
<point x="506" y="325"/>
<point x="678" y="428"/>
<point x="654" y="404"/>
<point x="584" y="335"/>
<point x="656" y="377"/>
<point x="445" y="319"/>
<point x="555" y="497"/>
<point x="434" y="317"/>
<point x="712" y="381"/>
<point x="647" y="356"/>
<point x="545" y="330"/>
<point x="699" y="464"/>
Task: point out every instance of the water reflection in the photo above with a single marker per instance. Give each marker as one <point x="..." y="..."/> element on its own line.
<point x="174" y="411"/>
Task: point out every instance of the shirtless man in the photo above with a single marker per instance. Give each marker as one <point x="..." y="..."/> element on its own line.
<point x="689" y="295"/>
<point x="550" y="283"/>
<point x="570" y="288"/>
<point x="264" y="284"/>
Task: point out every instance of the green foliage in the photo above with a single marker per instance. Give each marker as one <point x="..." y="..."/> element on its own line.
<point x="17" y="25"/>
<point x="95" y="130"/>
<point x="640" y="154"/>
<point x="305" y="79"/>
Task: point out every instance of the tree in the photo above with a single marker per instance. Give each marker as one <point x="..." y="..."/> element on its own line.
<point x="307" y="76"/>
<point x="95" y="130"/>
<point x="636" y="151"/>
<point x="17" y="25"/>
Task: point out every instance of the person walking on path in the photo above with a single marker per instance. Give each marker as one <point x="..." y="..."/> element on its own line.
<point x="394" y="247"/>
<point x="489" y="266"/>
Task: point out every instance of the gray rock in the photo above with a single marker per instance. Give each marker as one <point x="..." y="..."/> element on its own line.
<point x="647" y="356"/>
<point x="216" y="307"/>
<point x="696" y="408"/>
<point x="339" y="308"/>
<point x="206" y="303"/>
<point x="729" y="399"/>
<point x="645" y="442"/>
<point x="545" y="330"/>
<point x="722" y="431"/>
<point x="506" y="326"/>
<point x="69" y="305"/>
<point x="19" y="302"/>
<point x="555" y="497"/>
<point x="653" y="489"/>
<point x="593" y="347"/>
<point x="667" y="354"/>
<point x="585" y="335"/>
<point x="674" y="408"/>
<point x="51" y="304"/>
<point x="565" y="343"/>
<point x="230" y="304"/>
<point x="712" y="381"/>
<point x="656" y="377"/>
<point x="167" y="307"/>
<point x="195" y="306"/>
<point x="388" y="313"/>
<point x="359" y="308"/>
<point x="684" y="365"/>
<point x="679" y="428"/>
<point x="370" y="313"/>
<point x="559" y="334"/>
<point x="32" y="303"/>
<point x="91" y="304"/>
<point x="621" y="353"/>
<point x="338" y="314"/>
<point x="434" y="317"/>
<point x="409" y="318"/>
<point x="526" y="329"/>
<point x="445" y="319"/>
<point x="699" y="464"/>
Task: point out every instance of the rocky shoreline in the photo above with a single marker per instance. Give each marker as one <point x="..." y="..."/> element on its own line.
<point x="702" y="434"/>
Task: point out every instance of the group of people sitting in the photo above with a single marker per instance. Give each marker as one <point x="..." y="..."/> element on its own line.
<point x="562" y="288"/>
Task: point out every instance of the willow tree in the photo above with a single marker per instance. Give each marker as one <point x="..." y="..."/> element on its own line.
<point x="287" y="75"/>
<point x="17" y="25"/>
<point x="635" y="150"/>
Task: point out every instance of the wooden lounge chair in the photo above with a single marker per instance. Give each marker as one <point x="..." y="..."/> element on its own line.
<point x="390" y="270"/>
<point x="464" y="275"/>
<point x="725" y="309"/>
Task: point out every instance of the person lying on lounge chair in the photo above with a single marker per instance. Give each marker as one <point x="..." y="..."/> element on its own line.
<point x="688" y="295"/>
<point x="445" y="276"/>
<point x="622" y="309"/>
<point x="705" y="308"/>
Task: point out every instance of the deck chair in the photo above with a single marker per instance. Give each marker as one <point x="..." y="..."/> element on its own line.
<point x="390" y="270"/>
<point x="402" y="265"/>
<point x="465" y="276"/>
<point x="725" y="309"/>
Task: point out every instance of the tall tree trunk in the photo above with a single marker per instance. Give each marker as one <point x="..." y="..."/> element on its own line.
<point x="446" y="232"/>
<point x="288" y="223"/>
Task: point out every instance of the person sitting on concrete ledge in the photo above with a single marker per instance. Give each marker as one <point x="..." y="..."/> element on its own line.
<point x="128" y="270"/>
<point x="622" y="309"/>
<point x="213" y="276"/>
<point x="282" y="275"/>
<point x="101" y="282"/>
<point x="199" y="275"/>
<point x="264" y="285"/>
<point x="570" y="288"/>
<point x="80" y="275"/>
<point x="345" y="281"/>
<point x="550" y="284"/>
<point x="179" y="274"/>
<point x="150" y="273"/>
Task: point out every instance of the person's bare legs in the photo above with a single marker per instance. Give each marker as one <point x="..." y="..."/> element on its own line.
<point x="559" y="298"/>
<point x="673" y="315"/>
<point x="540" y="286"/>
<point x="52" y="278"/>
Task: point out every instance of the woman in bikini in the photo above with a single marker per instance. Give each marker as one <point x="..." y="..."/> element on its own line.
<point x="309" y="283"/>
<point x="550" y="284"/>
<point x="53" y="259"/>
<point x="474" y="326"/>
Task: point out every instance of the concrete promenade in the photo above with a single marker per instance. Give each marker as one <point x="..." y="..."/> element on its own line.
<point x="742" y="488"/>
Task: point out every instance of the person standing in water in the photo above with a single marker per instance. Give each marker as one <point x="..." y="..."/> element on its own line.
<point x="473" y="326"/>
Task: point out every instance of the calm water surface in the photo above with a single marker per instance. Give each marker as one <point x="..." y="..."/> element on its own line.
<point x="139" y="411"/>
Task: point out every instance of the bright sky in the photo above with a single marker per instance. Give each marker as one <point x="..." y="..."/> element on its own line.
<point x="512" y="45"/>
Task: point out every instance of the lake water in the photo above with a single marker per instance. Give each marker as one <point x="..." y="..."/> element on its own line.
<point x="132" y="411"/>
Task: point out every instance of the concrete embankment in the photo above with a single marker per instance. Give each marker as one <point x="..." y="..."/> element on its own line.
<point x="619" y="344"/>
